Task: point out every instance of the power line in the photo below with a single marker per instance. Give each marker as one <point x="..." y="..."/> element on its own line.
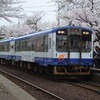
<point x="40" y="6"/>
<point x="41" y="11"/>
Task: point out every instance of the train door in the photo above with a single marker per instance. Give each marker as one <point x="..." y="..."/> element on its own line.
<point x="51" y="46"/>
<point x="12" y="49"/>
<point x="48" y="48"/>
<point x="74" y="49"/>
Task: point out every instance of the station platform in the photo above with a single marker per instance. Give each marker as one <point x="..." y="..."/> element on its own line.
<point x="95" y="74"/>
<point x="10" y="91"/>
<point x="95" y="69"/>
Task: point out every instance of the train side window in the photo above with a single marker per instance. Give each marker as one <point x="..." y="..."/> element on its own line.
<point x="35" y="41"/>
<point x="45" y="39"/>
<point x="39" y="44"/>
<point x="29" y="45"/>
<point x="25" y="45"/>
<point x="15" y="46"/>
<point x="19" y="46"/>
<point x="3" y="47"/>
<point x="12" y="47"/>
<point x="0" y="47"/>
<point x="32" y="44"/>
<point x="49" y="43"/>
<point x="8" y="46"/>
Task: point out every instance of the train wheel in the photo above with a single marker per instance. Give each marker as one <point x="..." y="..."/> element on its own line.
<point x="35" y="69"/>
<point x="41" y="69"/>
<point x="29" y="66"/>
<point x="47" y="70"/>
<point x="25" y="65"/>
<point x="12" y="62"/>
<point x="18" y="64"/>
<point x="21" y="64"/>
<point x="32" y="66"/>
<point x="3" y="61"/>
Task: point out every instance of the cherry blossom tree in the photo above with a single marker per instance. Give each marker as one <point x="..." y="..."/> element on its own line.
<point x="10" y="9"/>
<point x="34" y="20"/>
<point x="80" y="13"/>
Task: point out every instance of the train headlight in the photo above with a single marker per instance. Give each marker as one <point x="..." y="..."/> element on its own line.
<point x="85" y="33"/>
<point x="61" y="32"/>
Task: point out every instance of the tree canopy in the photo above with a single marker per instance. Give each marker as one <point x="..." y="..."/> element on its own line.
<point x="33" y="20"/>
<point x="81" y="13"/>
<point x="10" y="9"/>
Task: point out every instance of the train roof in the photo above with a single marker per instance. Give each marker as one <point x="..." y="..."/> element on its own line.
<point x="68" y="27"/>
<point x="43" y="33"/>
<point x="35" y="34"/>
<point x="5" y="40"/>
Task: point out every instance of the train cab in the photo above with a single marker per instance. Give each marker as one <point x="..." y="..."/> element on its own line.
<point x="74" y="51"/>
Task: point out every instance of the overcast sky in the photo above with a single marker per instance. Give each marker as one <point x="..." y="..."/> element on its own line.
<point x="47" y="6"/>
<point x="41" y="5"/>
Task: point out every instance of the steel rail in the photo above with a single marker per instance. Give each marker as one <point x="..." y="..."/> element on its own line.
<point x="93" y="84"/>
<point x="85" y="87"/>
<point x="33" y="85"/>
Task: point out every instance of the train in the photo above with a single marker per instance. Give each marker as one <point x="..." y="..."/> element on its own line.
<point x="61" y="51"/>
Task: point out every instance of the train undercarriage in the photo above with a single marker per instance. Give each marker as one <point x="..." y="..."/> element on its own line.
<point x="70" y="71"/>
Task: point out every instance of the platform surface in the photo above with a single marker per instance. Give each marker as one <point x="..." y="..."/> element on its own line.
<point x="96" y="69"/>
<point x="10" y="91"/>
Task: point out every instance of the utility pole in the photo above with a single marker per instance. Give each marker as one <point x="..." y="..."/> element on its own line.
<point x="58" y="11"/>
<point x="60" y="6"/>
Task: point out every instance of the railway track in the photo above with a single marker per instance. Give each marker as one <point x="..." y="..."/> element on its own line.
<point x="33" y="85"/>
<point x="86" y="85"/>
<point x="67" y="91"/>
<point x="92" y="83"/>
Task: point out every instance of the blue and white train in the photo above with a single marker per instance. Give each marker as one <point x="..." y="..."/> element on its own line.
<point x="64" y="51"/>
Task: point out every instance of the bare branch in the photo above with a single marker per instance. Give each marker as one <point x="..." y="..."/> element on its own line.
<point x="7" y="9"/>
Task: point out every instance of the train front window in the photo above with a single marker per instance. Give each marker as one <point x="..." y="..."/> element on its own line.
<point x="74" y="43"/>
<point x="86" y="46"/>
<point x="61" y="40"/>
<point x="86" y="41"/>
